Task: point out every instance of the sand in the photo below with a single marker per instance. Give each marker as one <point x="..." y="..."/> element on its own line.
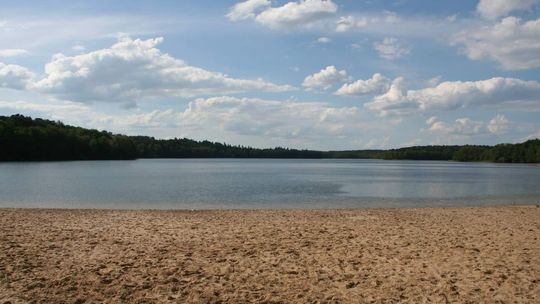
<point x="431" y="255"/>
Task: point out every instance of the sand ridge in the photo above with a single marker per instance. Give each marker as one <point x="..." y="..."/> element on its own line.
<point x="430" y="255"/>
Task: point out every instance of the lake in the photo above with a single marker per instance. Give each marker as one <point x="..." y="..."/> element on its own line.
<point x="264" y="183"/>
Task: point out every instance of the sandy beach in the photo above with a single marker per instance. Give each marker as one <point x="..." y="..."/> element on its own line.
<point x="431" y="255"/>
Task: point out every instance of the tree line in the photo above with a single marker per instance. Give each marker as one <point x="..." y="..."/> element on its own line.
<point x="25" y="139"/>
<point x="526" y="152"/>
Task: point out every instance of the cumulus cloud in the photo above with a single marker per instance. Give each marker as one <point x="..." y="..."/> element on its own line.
<point x="346" y="23"/>
<point x="461" y="126"/>
<point x="452" y="95"/>
<point x="375" y="85"/>
<point x="12" y="52"/>
<point x="134" y="69"/>
<point x="391" y="48"/>
<point x="462" y="94"/>
<point x="394" y="101"/>
<point x="155" y="119"/>
<point x="325" y="78"/>
<point x="468" y="127"/>
<point x="14" y="76"/>
<point x="304" y="13"/>
<point x="252" y="116"/>
<point x="247" y="9"/>
<point x="499" y="124"/>
<point x="492" y="9"/>
<point x="514" y="44"/>
<point x="291" y="15"/>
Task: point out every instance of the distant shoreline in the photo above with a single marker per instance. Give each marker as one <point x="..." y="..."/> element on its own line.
<point x="26" y="139"/>
<point x="265" y="158"/>
<point x="254" y="210"/>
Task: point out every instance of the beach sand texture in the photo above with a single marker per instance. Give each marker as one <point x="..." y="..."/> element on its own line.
<point x="431" y="255"/>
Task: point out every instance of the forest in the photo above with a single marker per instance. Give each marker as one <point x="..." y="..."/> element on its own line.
<point x="23" y="138"/>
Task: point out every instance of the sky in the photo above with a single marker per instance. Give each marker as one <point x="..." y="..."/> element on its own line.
<point x="315" y="74"/>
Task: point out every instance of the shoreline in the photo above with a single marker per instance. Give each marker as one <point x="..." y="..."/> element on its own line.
<point x="300" y="209"/>
<point x="427" y="254"/>
<point x="224" y="210"/>
<point x="534" y="164"/>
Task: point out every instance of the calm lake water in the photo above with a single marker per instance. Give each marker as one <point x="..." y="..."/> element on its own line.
<point x="257" y="183"/>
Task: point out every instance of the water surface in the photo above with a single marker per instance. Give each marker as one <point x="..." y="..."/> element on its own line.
<point x="264" y="183"/>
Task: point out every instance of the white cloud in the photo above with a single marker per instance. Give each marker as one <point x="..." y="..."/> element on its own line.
<point x="394" y="101"/>
<point x="325" y="78"/>
<point x="437" y="29"/>
<point x="12" y="52"/>
<point x="155" y="119"/>
<point x="492" y="9"/>
<point x="391" y="48"/>
<point x="514" y="44"/>
<point x="324" y="40"/>
<point x="462" y="94"/>
<point x="247" y="9"/>
<point x="452" y="95"/>
<point x="375" y="85"/>
<point x="251" y="116"/>
<point x="461" y="126"/>
<point x="14" y="76"/>
<point x="132" y="70"/>
<point x="499" y="124"/>
<point x="468" y="127"/>
<point x="291" y="15"/>
<point x="346" y="23"/>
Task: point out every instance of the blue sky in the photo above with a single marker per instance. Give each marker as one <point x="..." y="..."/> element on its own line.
<point x="316" y="74"/>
